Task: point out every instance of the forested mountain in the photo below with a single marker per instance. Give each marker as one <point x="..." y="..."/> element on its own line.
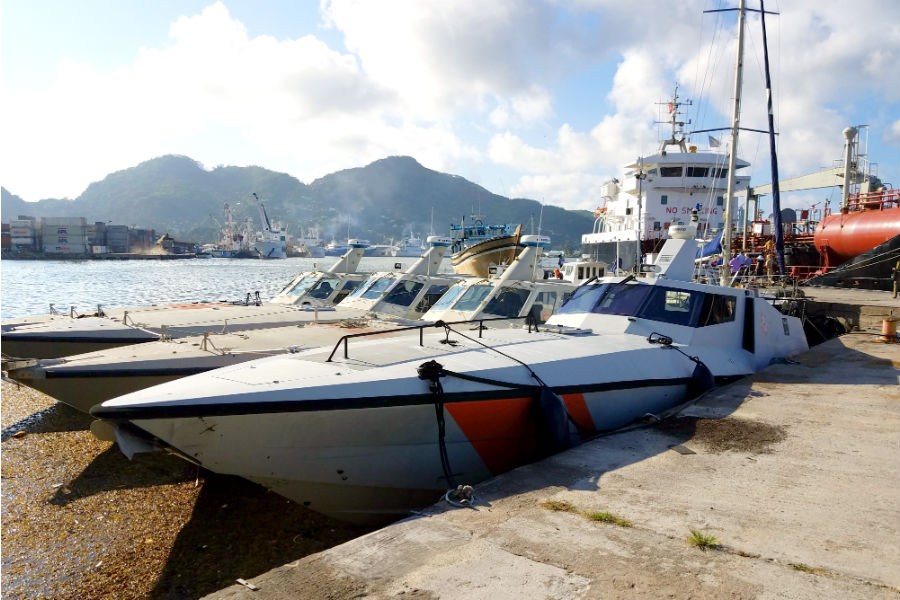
<point x="379" y="202"/>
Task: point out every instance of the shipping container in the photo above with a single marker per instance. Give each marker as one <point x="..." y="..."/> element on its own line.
<point x="63" y="222"/>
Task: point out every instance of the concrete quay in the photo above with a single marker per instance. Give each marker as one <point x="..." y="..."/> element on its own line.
<point x="856" y="310"/>
<point x="795" y="472"/>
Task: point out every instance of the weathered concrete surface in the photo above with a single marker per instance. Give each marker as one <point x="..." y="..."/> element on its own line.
<point x="795" y="471"/>
<point x="862" y="310"/>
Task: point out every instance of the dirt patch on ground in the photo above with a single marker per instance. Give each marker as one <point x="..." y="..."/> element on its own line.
<point x="81" y="521"/>
<point x="726" y="435"/>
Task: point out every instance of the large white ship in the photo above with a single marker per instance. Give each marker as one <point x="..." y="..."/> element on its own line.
<point x="658" y="190"/>
<point x="271" y="242"/>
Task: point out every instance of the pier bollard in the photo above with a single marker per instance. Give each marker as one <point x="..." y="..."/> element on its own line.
<point x="889" y="330"/>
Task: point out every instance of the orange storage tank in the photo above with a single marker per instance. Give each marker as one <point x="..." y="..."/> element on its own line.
<point x="841" y="236"/>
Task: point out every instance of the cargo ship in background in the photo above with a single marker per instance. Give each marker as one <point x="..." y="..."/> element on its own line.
<point x="855" y="245"/>
<point x="634" y="216"/>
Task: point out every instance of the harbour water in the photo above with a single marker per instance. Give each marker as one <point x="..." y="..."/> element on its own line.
<point x="30" y="287"/>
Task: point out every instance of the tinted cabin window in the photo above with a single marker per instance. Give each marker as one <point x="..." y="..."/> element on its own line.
<point x="697" y="171"/>
<point x="403" y="293"/>
<point x="507" y="303"/>
<point x="716" y="309"/>
<point x="473" y="297"/>
<point x="663" y="199"/>
<point x="431" y="296"/>
<point x="447" y="299"/>
<point x="679" y="307"/>
<point x="622" y="299"/>
<point x="324" y="288"/>
<point x="376" y="289"/>
<point x="583" y="299"/>
<point x="359" y="290"/>
<point x="670" y="171"/>
<point x="349" y="286"/>
<point x="301" y="286"/>
<point x="720" y="200"/>
<point x="721" y="173"/>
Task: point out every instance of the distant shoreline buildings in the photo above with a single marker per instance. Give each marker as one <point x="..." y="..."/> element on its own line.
<point x="74" y="237"/>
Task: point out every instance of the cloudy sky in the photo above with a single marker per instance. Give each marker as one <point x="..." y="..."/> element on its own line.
<point x="544" y="100"/>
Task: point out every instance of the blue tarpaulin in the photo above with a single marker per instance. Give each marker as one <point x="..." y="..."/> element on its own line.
<point x="713" y="246"/>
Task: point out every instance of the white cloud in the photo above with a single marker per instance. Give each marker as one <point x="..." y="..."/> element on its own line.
<point x="419" y="77"/>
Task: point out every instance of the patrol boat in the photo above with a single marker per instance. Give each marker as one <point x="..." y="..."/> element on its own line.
<point x="378" y="425"/>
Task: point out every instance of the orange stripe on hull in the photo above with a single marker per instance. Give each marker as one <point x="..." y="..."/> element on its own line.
<point x="501" y="431"/>
<point x="579" y="412"/>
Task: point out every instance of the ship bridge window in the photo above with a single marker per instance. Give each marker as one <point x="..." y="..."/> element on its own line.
<point x="720" y="173"/>
<point x="447" y="299"/>
<point x="651" y="172"/>
<point x="670" y="171"/>
<point x="404" y="293"/>
<point x="473" y="297"/>
<point x="697" y="171"/>
<point x="679" y="307"/>
<point x="508" y="302"/>
<point x="358" y="291"/>
<point x="376" y="289"/>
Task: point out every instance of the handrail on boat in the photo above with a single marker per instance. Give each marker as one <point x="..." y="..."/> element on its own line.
<point x="421" y="328"/>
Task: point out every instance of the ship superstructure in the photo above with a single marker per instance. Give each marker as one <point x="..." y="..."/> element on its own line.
<point x="658" y="190"/>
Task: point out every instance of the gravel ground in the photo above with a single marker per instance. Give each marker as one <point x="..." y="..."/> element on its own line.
<point x="81" y="521"/>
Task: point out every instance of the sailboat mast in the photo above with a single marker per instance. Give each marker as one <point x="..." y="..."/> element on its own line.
<point x="735" y="128"/>
<point x="776" y="190"/>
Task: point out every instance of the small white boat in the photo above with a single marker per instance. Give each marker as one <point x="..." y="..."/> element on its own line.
<point x="375" y="426"/>
<point x="409" y="246"/>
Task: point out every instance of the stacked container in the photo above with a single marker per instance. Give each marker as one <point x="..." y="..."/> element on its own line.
<point x="64" y="235"/>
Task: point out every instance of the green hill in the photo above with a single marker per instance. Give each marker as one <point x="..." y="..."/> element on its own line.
<point x="379" y="202"/>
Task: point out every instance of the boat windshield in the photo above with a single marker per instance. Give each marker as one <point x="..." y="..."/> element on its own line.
<point x="324" y="287"/>
<point x="301" y="286"/>
<point x="358" y="291"/>
<point x="508" y="302"/>
<point x="447" y="299"/>
<point x="404" y="293"/>
<point x="607" y="299"/>
<point x="473" y="297"/>
<point x="377" y="289"/>
<point x="657" y="303"/>
<point x="434" y="293"/>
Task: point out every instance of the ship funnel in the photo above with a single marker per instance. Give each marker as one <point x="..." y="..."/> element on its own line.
<point x="349" y="262"/>
<point x="430" y="262"/>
